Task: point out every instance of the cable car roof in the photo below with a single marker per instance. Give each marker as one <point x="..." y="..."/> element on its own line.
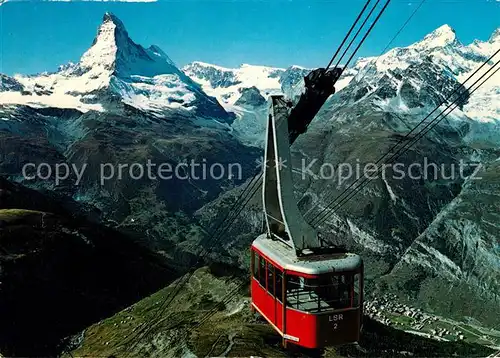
<point x="285" y="257"/>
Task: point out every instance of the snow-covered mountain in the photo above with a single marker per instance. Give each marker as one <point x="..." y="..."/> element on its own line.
<point x="440" y="48"/>
<point x="227" y="84"/>
<point x="406" y="74"/>
<point x="406" y="80"/>
<point x="241" y="90"/>
<point x="114" y="70"/>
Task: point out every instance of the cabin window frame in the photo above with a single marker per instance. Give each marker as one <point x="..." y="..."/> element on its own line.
<point x="270" y="282"/>
<point x="302" y="292"/>
<point x="278" y="283"/>
<point x="357" y="281"/>
<point x="255" y="264"/>
<point x="262" y="279"/>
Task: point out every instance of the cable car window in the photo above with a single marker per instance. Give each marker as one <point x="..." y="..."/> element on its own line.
<point x="301" y="294"/>
<point x="262" y="271"/>
<point x="255" y="264"/>
<point x="270" y="278"/>
<point x="279" y="283"/>
<point x="292" y="291"/>
<point x="347" y="284"/>
<point x="339" y="295"/>
<point x="322" y="294"/>
<point x="357" y="290"/>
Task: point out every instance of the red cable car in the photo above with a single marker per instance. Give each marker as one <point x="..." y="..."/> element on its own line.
<point x="311" y="294"/>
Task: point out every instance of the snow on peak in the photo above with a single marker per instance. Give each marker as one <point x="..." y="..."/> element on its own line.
<point x="226" y="84"/>
<point x="495" y="36"/>
<point x="110" y="17"/>
<point x="440" y="52"/>
<point x="243" y="91"/>
<point x="441" y="44"/>
<point x="296" y="67"/>
<point x="442" y="36"/>
<point x="104" y="48"/>
<point x="207" y="65"/>
<point x="113" y="50"/>
<point x="486" y="48"/>
<point x="444" y="30"/>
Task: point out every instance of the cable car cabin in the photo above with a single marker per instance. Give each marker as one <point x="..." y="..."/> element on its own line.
<point x="311" y="301"/>
<point x="309" y="292"/>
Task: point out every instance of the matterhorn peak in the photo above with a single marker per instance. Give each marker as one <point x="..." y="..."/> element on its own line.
<point x="110" y="37"/>
<point x="114" y="53"/>
<point x="116" y="70"/>
<point x="109" y="16"/>
<point x="113" y="19"/>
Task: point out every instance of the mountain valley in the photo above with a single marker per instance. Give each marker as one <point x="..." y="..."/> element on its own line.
<point x="86" y="262"/>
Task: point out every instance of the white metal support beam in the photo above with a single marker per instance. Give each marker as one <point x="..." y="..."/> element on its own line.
<point x="283" y="218"/>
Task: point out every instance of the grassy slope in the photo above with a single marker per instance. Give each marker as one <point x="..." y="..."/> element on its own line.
<point x="60" y="272"/>
<point x="181" y="330"/>
<point x="146" y="328"/>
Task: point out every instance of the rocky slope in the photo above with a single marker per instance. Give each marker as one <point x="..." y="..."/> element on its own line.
<point x="443" y="49"/>
<point x="61" y="272"/>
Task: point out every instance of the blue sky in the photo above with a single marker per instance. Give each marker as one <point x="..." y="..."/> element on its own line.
<point x="39" y="36"/>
